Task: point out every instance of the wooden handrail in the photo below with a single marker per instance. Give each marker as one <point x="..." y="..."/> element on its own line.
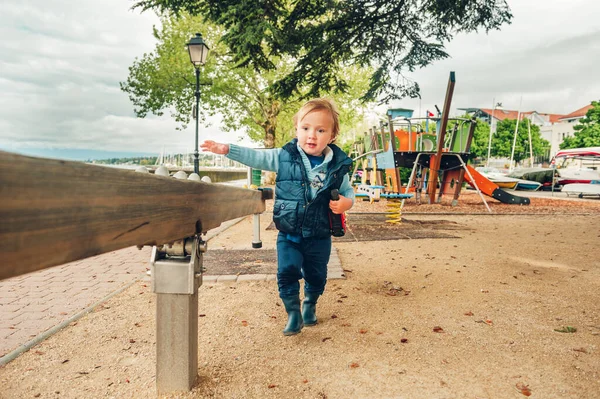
<point x="53" y="212"/>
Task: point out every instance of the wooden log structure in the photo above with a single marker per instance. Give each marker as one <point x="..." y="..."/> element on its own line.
<point x="434" y="167"/>
<point x="53" y="211"/>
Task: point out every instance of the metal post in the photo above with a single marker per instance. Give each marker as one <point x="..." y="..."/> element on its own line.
<point x="196" y="154"/>
<point x="256" y="242"/>
<point x="474" y="182"/>
<point x="176" y="277"/>
<point x="411" y="179"/>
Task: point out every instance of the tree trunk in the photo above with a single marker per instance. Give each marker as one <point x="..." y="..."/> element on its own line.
<point x="270" y="143"/>
<point x="270" y="135"/>
<point x="270" y="124"/>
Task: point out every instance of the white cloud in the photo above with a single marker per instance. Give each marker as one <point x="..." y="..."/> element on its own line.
<point x="62" y="62"/>
<point x="549" y="56"/>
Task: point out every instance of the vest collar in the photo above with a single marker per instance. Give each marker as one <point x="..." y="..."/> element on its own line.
<point x="328" y="152"/>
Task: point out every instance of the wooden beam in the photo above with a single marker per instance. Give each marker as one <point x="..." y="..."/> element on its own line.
<point x="53" y="212"/>
<point x="434" y="167"/>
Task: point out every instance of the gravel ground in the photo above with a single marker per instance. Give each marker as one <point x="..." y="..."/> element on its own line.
<point x="506" y="308"/>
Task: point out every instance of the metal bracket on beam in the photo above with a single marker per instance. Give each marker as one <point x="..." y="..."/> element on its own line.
<point x="177" y="268"/>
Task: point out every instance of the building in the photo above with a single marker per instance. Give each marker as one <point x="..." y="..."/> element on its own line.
<point x="553" y="127"/>
<point x="564" y="128"/>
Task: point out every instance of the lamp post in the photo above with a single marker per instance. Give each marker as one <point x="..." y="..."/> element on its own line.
<point x="198" y="51"/>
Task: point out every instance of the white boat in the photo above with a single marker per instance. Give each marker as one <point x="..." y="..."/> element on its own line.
<point x="577" y="165"/>
<point x="577" y="175"/>
<point x="572" y="166"/>
<point x="582" y="189"/>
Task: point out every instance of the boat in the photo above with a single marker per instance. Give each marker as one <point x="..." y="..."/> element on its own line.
<point x="540" y="175"/>
<point x="577" y="175"/>
<point x="527" y="185"/>
<point x="583" y="189"/>
<point x="562" y="177"/>
<point x="497" y="176"/>
<point x="503" y="180"/>
<point x="577" y="165"/>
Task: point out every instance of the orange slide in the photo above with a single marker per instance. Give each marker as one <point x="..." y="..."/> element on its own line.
<point x="491" y="189"/>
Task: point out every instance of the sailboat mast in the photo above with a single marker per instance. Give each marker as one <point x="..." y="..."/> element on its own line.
<point x="487" y="162"/>
<point x="512" y="153"/>
<point x="530" y="144"/>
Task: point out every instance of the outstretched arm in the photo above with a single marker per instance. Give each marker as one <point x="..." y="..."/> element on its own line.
<point x="267" y="159"/>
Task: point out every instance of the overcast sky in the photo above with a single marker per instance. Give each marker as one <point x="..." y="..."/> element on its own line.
<point x="61" y="62"/>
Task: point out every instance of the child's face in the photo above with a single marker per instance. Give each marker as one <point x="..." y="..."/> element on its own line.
<point x="315" y="131"/>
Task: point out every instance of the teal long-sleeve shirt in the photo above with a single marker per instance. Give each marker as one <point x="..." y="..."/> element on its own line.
<point x="269" y="160"/>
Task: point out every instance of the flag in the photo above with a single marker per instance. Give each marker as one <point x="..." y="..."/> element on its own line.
<point x="430" y="114"/>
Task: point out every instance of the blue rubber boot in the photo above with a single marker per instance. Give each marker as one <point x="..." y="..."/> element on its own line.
<point x="309" y="308"/>
<point x="292" y="307"/>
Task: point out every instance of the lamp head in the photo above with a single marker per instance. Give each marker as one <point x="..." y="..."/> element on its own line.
<point x="198" y="50"/>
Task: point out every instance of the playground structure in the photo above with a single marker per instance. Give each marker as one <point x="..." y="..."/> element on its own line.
<point x="440" y="157"/>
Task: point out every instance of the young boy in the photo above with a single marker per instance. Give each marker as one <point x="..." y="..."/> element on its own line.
<point x="308" y="168"/>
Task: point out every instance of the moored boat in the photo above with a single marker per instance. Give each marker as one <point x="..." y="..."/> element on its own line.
<point x="577" y="175"/>
<point x="527" y="185"/>
<point x="583" y="189"/>
<point x="505" y="182"/>
<point x="577" y="165"/>
<point x="496" y="176"/>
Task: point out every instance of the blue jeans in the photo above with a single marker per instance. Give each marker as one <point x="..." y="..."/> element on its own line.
<point x="307" y="259"/>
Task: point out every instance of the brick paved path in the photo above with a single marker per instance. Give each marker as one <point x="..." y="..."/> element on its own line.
<point x="36" y="305"/>
<point x="35" y="302"/>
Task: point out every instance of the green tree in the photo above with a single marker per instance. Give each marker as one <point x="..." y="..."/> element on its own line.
<point x="164" y="80"/>
<point x="481" y="138"/>
<point x="587" y="132"/>
<point x="502" y="140"/>
<point x="392" y="37"/>
<point x="479" y="142"/>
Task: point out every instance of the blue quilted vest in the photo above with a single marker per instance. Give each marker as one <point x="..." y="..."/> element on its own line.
<point x="293" y="213"/>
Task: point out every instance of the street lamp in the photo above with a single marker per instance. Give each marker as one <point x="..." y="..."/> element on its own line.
<point x="198" y="51"/>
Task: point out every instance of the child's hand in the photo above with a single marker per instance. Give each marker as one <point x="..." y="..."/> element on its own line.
<point x="214" y="147"/>
<point x="340" y="206"/>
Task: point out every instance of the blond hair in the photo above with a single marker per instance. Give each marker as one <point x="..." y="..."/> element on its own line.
<point x="318" y="104"/>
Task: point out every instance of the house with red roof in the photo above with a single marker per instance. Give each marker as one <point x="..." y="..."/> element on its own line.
<point x="558" y="130"/>
<point x="575" y="116"/>
<point x="553" y="127"/>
